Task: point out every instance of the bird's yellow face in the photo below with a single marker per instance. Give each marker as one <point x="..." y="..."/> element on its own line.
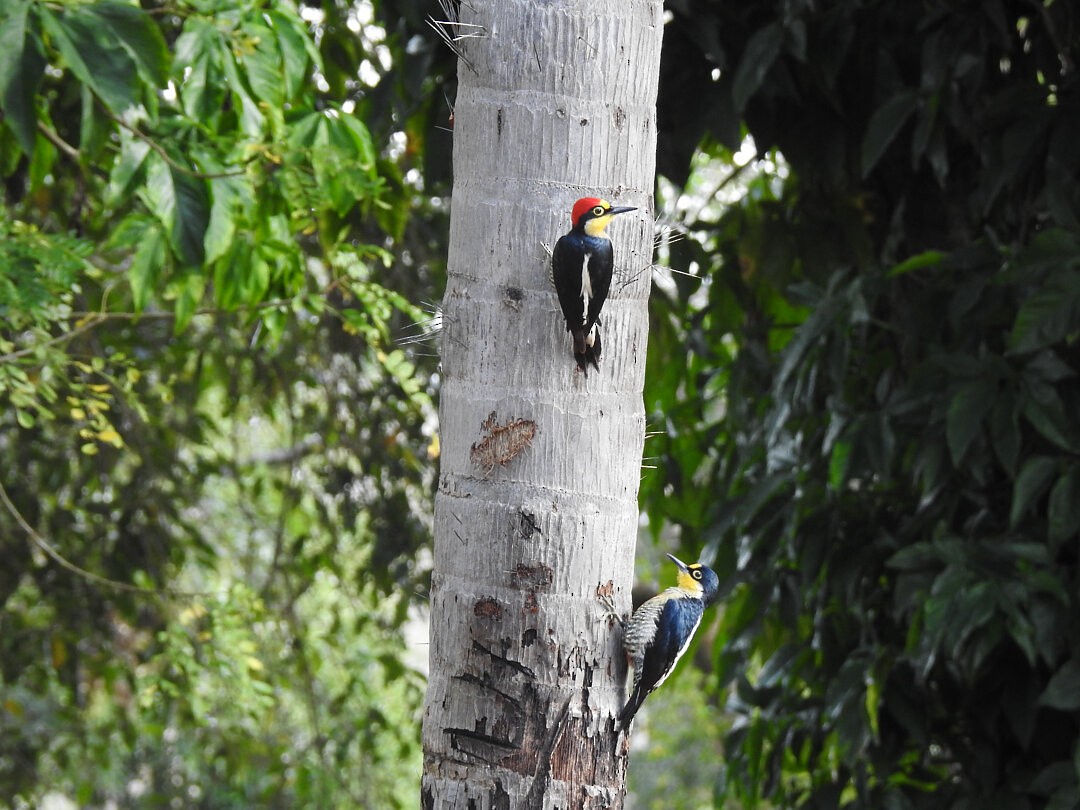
<point x="690" y="579"/>
<point x="601" y="216"/>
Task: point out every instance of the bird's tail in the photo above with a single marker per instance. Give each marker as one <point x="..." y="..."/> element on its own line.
<point x="631" y="707"/>
<point x="592" y="347"/>
<point x="587" y="348"/>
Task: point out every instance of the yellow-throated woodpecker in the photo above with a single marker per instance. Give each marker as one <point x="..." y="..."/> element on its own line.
<point x="581" y="265"/>
<point x="661" y="629"/>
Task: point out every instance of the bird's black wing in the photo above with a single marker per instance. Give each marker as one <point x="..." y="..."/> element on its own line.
<point x="678" y="621"/>
<point x="566" y="271"/>
<point x="600" y="272"/>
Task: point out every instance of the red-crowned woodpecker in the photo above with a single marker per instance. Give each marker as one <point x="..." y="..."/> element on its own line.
<point x="661" y="629"/>
<point x="582" y="264"/>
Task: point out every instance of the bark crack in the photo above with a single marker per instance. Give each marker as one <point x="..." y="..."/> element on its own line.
<point x="517" y="666"/>
<point x="535" y="797"/>
<point x="486" y="684"/>
<point x="456" y="734"/>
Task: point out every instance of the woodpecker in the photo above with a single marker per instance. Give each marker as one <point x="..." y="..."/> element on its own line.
<point x="661" y="629"/>
<point x="581" y="265"/>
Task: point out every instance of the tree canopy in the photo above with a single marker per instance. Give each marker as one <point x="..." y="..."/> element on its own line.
<point x="216" y="446"/>
<point x="867" y="405"/>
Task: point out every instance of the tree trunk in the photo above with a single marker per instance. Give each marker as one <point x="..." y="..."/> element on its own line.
<point x="537" y="504"/>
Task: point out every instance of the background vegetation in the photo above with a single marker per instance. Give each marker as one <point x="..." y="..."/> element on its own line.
<point x="216" y="453"/>
<point x="221" y="222"/>
<point x="869" y="405"/>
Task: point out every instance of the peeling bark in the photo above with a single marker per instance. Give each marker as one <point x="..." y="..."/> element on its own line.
<point x="536" y="513"/>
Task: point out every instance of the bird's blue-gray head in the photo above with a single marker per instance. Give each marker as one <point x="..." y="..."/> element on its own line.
<point x="697" y="579"/>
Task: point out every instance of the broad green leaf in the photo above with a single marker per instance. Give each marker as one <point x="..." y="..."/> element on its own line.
<point x="1048" y="367"/>
<point x="1064" y="507"/>
<point x="261" y="60"/>
<point x="967" y="409"/>
<point x="230" y="197"/>
<point x="139" y="35"/>
<point x="361" y="140"/>
<point x="762" y="49"/>
<point x="1032" y="482"/>
<point x="95" y="128"/>
<point x="178" y="201"/>
<point x="41" y="161"/>
<point x="252" y="119"/>
<point x="885" y="125"/>
<point x="128" y="170"/>
<point x="1046" y="413"/>
<point x="916" y="557"/>
<point x="21" y="67"/>
<point x="1004" y="424"/>
<point x="232" y="275"/>
<point x="93" y="54"/>
<point x="1047" y="317"/>
<point x="146" y="266"/>
<point x="188" y="290"/>
<point x="807" y="338"/>
<point x="198" y="58"/>
<point x="296" y="50"/>
<point x="1063" y="690"/>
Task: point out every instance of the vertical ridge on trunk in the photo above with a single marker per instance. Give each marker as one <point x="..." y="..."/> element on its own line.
<point x="537" y="503"/>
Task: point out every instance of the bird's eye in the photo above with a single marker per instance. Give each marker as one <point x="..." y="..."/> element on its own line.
<point x="697" y="573"/>
<point x="598" y="211"/>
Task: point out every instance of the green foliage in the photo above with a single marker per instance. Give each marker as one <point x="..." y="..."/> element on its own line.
<point x="214" y="456"/>
<point x="881" y="372"/>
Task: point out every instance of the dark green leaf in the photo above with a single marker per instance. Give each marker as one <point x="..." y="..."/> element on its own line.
<point x="1046" y="317"/>
<point x="968" y="408"/>
<point x="232" y="199"/>
<point x="761" y="51"/>
<point x="21" y="67"/>
<point x="94" y="128"/>
<point x="1004" y="426"/>
<point x="128" y="170"/>
<point x="146" y="266"/>
<point x="93" y="55"/>
<point x="916" y="557"/>
<point x="41" y="161"/>
<point x="884" y="126"/>
<point x="178" y="201"/>
<point x="296" y="51"/>
<point x="199" y="54"/>
<point x="188" y="290"/>
<point x="1046" y="413"/>
<point x="1032" y="482"/>
<point x="261" y="60"/>
<point x="1063" y="690"/>
<point x="1064" y="507"/>
<point x="140" y="37"/>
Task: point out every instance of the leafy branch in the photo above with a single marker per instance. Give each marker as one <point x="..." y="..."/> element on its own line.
<point x="50" y="551"/>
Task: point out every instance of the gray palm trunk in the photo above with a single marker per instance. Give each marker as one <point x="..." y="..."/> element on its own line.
<point x="537" y="510"/>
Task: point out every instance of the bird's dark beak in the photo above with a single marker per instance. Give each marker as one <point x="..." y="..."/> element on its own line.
<point x="678" y="562"/>
<point x="621" y="209"/>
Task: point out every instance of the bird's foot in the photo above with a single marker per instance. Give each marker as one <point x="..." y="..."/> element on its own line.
<point x="605" y="595"/>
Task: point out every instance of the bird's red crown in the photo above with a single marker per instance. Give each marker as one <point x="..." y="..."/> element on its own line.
<point x="584" y="206"/>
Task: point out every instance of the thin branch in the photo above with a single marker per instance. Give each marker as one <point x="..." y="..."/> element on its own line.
<point x="96" y="318"/>
<point x="57" y="141"/>
<point x="67" y="564"/>
<point x="15" y="355"/>
<point x="167" y="157"/>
